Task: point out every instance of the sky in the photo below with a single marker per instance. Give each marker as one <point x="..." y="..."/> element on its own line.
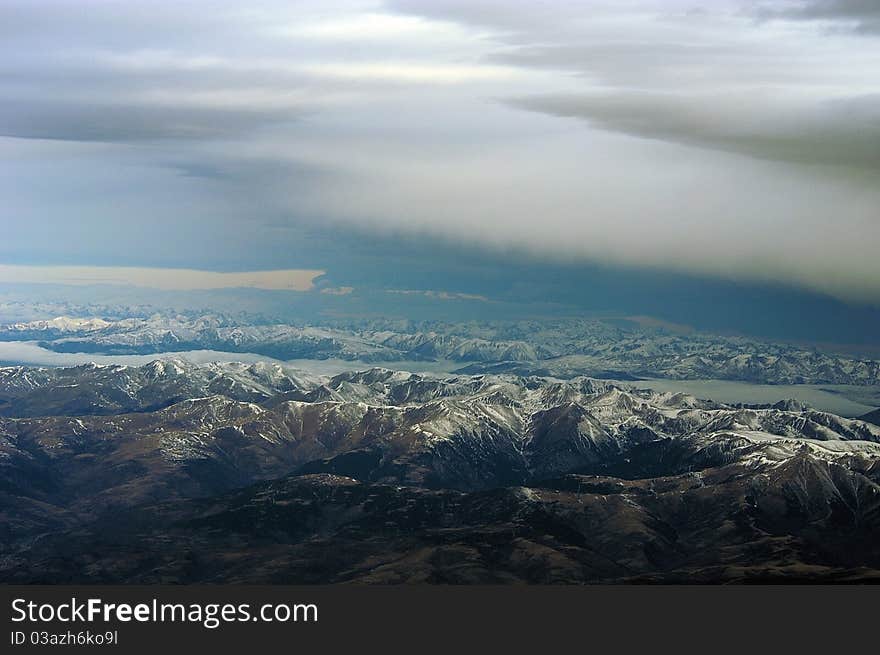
<point x="733" y="144"/>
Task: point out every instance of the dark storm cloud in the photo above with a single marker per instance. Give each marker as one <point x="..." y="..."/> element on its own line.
<point x="123" y="71"/>
<point x="862" y="15"/>
<point x="839" y="133"/>
<point x="90" y="75"/>
<point x="700" y="75"/>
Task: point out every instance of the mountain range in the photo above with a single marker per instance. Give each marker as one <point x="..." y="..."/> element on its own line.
<point x="610" y="349"/>
<point x="173" y="472"/>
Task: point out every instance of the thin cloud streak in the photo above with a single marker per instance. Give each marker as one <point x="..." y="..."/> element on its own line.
<point x="160" y="278"/>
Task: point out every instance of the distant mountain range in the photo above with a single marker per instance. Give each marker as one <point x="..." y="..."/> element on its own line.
<point x="564" y="349"/>
<point x="172" y="472"/>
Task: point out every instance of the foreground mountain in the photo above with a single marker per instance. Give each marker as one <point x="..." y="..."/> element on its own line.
<point x="872" y="417"/>
<point x="265" y="475"/>
<point x="804" y="520"/>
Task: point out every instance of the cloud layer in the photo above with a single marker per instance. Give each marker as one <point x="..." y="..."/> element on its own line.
<point x="736" y="139"/>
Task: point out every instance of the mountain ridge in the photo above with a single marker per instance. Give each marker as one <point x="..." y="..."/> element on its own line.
<point x="563" y="349"/>
<point x="528" y="465"/>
